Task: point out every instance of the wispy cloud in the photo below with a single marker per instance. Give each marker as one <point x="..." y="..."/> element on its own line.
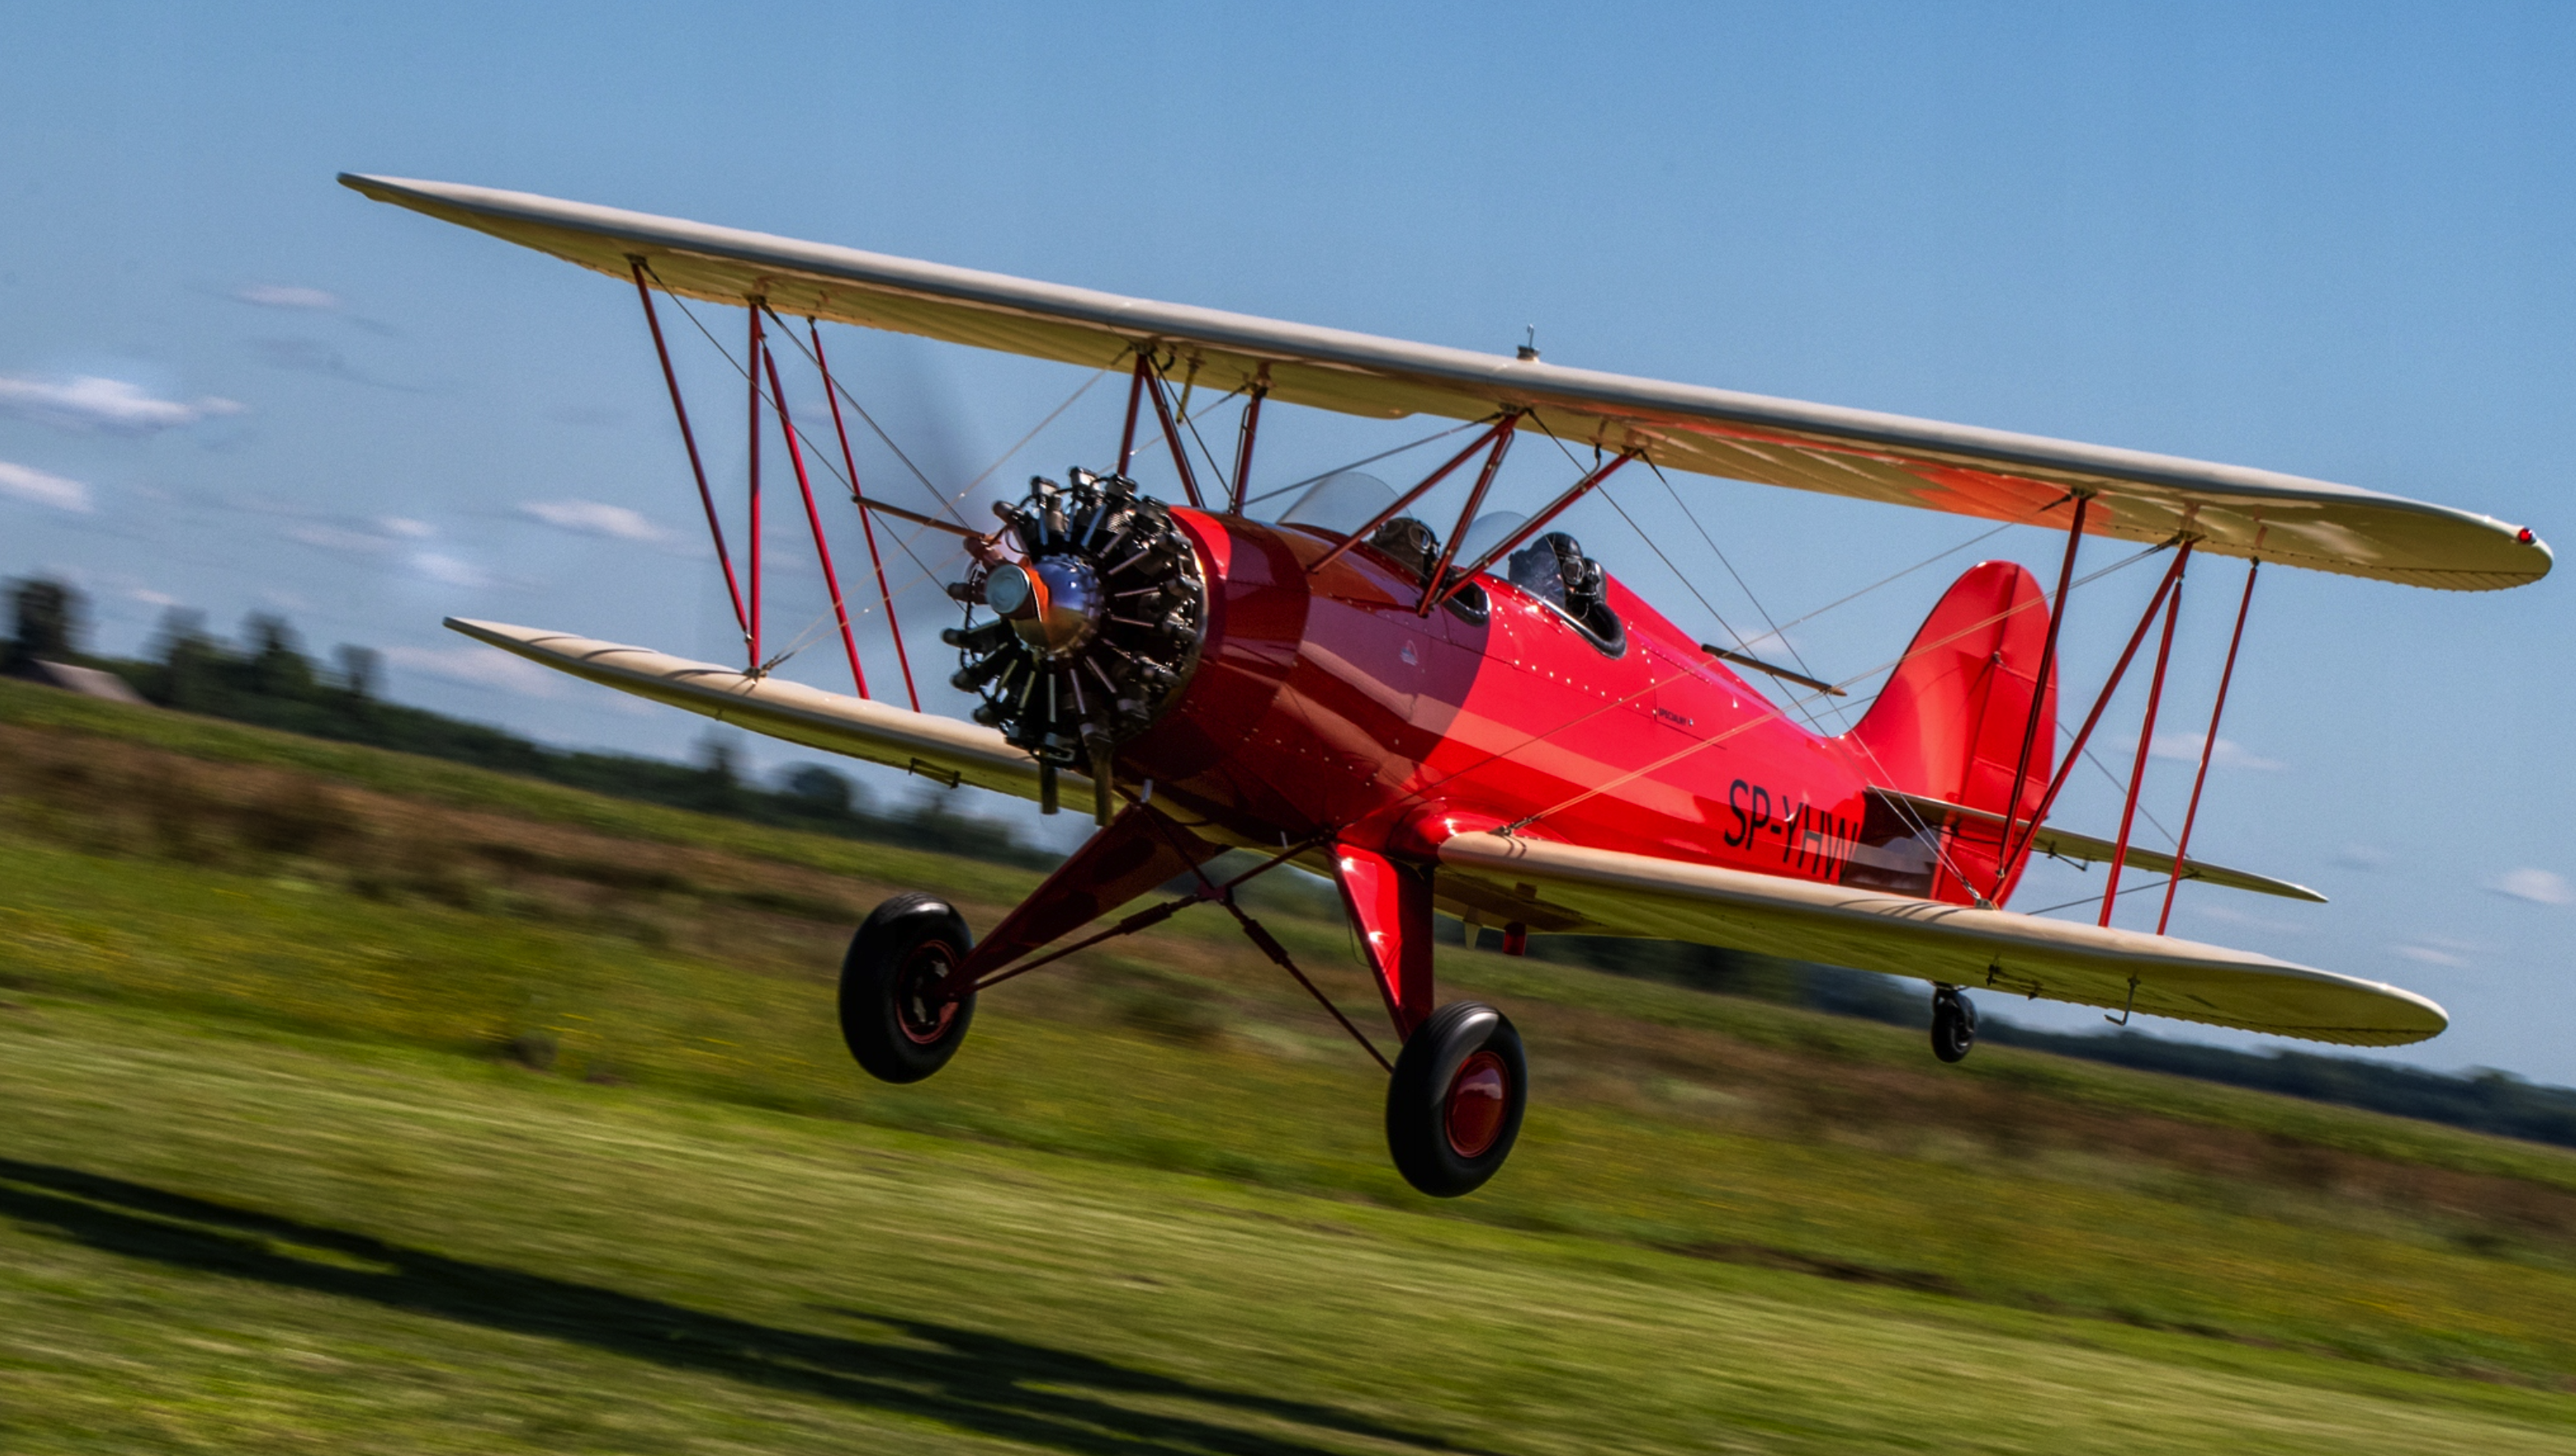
<point x="312" y="356"/>
<point x="595" y="518"/>
<point x="2540" y="887"/>
<point x="2362" y="857"/>
<point x="341" y="539"/>
<point x="24" y="483"/>
<point x="440" y="567"/>
<point x="483" y="667"/>
<point x="287" y="295"/>
<point x="2185" y="748"/>
<point x="2425" y="955"/>
<point x="91" y="402"/>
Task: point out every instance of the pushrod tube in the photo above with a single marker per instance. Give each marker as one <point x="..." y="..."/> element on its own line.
<point x="2039" y="694"/>
<point x="867" y="522"/>
<point x="688" y="437"/>
<point x="1467" y="516"/>
<point x="2146" y="736"/>
<point x="2208" y="744"/>
<point x="2021" y="847"/>
<point x="814" y="520"/>
<point x="1496" y="432"/>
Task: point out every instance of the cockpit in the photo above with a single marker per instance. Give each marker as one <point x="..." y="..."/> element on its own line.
<point x="1552" y="569"/>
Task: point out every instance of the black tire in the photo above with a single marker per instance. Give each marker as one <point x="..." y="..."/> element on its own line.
<point x="1954" y="1026"/>
<point x="904" y="949"/>
<point x="1454" y="1105"/>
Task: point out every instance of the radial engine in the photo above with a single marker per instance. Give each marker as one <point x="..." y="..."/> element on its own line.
<point x="1098" y="611"/>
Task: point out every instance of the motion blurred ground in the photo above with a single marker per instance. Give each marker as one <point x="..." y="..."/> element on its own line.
<point x="363" y="1102"/>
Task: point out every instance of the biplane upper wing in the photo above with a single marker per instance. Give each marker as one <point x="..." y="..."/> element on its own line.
<point x="1990" y="473"/>
<point x="948" y="750"/>
<point x="1607" y="892"/>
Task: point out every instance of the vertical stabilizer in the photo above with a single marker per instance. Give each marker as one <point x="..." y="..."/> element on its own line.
<point x="1951" y="722"/>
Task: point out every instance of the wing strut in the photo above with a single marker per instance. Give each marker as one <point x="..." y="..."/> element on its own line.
<point x="885" y="593"/>
<point x="1530" y="527"/>
<point x="2017" y="851"/>
<point x="688" y="437"/>
<point x="2209" y="741"/>
<point x="813" y="517"/>
<point x="2146" y="732"/>
<point x="2040" y="694"/>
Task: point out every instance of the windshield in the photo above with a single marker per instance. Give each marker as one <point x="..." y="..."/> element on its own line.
<point x="1340" y="503"/>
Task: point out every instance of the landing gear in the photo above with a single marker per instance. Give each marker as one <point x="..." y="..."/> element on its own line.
<point x="891" y="1015"/>
<point x="1954" y="1024"/>
<point x="1454" y="1105"/>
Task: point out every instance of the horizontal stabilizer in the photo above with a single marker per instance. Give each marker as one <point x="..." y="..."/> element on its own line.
<point x="947" y="750"/>
<point x="2064" y="844"/>
<point x="1606" y="892"/>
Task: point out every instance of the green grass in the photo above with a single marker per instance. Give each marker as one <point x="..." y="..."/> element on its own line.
<point x="309" y="1145"/>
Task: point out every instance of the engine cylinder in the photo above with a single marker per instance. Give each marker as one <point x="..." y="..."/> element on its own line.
<point x="1101" y="620"/>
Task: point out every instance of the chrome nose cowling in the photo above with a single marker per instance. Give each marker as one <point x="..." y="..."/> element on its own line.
<point x="1094" y="626"/>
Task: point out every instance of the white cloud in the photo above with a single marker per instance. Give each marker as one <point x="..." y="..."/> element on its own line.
<point x="2540" y="887"/>
<point x="150" y="598"/>
<point x="336" y="538"/>
<point x="45" y="490"/>
<point x="595" y="518"/>
<point x="406" y="527"/>
<point x="92" y="402"/>
<point x="2427" y="955"/>
<point x="2185" y="748"/>
<point x="287" y="295"/>
<point x="440" y="567"/>
<point x="482" y="667"/>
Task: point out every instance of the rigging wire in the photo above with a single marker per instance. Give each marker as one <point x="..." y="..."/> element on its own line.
<point x="1740" y="584"/>
<point x="1369" y="460"/>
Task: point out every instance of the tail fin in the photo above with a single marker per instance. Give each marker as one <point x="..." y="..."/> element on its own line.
<point x="1952" y="720"/>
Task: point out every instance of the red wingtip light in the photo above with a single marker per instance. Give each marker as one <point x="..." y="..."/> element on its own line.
<point x="2523" y="535"/>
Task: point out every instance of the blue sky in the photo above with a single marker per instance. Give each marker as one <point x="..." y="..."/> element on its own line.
<point x="2333" y="240"/>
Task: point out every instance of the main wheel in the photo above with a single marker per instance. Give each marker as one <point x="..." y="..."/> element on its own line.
<point x="896" y="1025"/>
<point x="1954" y="1025"/>
<point x="1453" y="1107"/>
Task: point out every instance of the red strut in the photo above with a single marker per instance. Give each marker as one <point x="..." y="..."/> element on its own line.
<point x="2208" y="744"/>
<point x="814" y="519"/>
<point x="2039" y="694"/>
<point x="885" y="593"/>
<point x="752" y="374"/>
<point x="688" y="437"/>
<point x="2146" y="735"/>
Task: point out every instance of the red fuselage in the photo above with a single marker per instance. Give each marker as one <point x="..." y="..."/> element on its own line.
<point x="1326" y="704"/>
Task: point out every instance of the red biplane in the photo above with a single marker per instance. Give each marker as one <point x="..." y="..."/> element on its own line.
<point x="1482" y="723"/>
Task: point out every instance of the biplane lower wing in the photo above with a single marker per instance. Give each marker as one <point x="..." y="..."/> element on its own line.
<point x="943" y="749"/>
<point x="1627" y="894"/>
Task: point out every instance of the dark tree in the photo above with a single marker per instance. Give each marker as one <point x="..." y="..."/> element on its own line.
<point x="48" y="622"/>
<point x="817" y="789"/>
<point x="361" y="670"/>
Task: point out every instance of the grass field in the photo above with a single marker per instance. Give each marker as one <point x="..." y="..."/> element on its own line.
<point x="359" y="1103"/>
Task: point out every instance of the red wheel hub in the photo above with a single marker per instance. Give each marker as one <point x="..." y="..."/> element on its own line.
<point x="1478" y="1098"/>
<point x="919" y="1011"/>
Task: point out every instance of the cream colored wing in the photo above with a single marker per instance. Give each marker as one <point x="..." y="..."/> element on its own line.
<point x="945" y="749"/>
<point x="1956" y="468"/>
<point x="1603" y="892"/>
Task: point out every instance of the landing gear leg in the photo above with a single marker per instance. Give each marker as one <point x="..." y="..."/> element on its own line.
<point x="1954" y="1024"/>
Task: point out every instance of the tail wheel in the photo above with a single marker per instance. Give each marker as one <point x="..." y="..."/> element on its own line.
<point x="1454" y="1105"/>
<point x="897" y="1024"/>
<point x="1954" y="1025"/>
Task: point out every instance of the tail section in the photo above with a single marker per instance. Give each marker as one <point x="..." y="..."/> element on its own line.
<point x="1953" y="718"/>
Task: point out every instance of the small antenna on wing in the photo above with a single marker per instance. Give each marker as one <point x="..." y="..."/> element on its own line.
<point x="1529" y="348"/>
